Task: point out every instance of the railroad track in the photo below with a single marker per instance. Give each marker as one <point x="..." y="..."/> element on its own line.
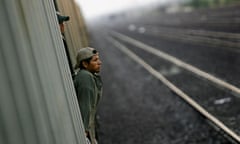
<point x="119" y="39"/>
<point x="218" y="28"/>
<point x="199" y="37"/>
<point x="225" y="19"/>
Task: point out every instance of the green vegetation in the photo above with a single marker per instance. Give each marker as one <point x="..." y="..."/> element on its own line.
<point x="209" y="3"/>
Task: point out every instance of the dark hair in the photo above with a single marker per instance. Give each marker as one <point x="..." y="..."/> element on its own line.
<point x="85" y="60"/>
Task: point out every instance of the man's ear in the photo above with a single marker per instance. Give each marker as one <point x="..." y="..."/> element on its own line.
<point x="85" y="64"/>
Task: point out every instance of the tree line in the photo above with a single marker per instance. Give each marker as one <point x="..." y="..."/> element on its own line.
<point x="209" y="3"/>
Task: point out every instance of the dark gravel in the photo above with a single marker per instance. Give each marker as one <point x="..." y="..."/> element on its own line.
<point x="138" y="108"/>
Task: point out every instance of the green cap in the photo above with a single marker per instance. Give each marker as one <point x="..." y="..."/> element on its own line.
<point x="85" y="53"/>
<point x="62" y="18"/>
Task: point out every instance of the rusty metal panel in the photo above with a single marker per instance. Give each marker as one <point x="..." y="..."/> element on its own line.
<point x="38" y="103"/>
<point x="76" y="32"/>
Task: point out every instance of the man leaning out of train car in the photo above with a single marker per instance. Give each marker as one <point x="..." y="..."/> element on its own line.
<point x="88" y="85"/>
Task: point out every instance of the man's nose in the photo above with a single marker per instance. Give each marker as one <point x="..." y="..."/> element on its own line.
<point x="100" y="62"/>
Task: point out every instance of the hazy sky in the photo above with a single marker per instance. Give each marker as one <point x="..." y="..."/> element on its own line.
<point x="92" y="8"/>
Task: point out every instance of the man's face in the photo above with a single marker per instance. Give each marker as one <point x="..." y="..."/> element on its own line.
<point x="61" y="28"/>
<point x="94" y="65"/>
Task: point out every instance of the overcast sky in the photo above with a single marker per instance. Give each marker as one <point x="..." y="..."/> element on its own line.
<point x="92" y="8"/>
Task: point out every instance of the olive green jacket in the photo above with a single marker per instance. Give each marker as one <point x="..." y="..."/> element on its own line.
<point x="89" y="91"/>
